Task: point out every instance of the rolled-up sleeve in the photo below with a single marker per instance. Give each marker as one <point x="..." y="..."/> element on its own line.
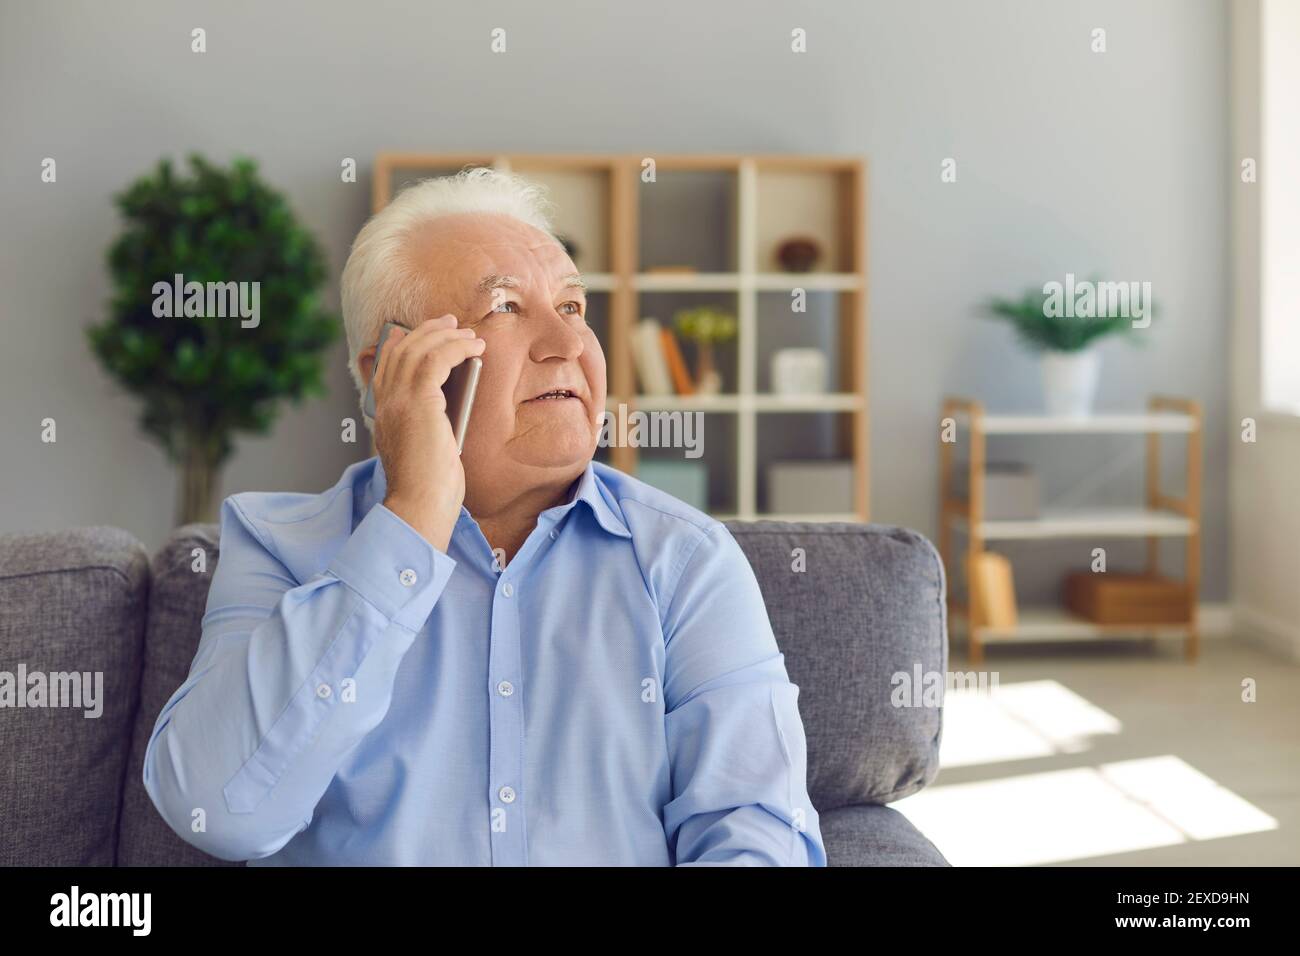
<point x="735" y="739"/>
<point x="288" y="678"/>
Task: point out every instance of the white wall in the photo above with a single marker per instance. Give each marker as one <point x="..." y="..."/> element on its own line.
<point x="1265" y="509"/>
<point x="1068" y="161"/>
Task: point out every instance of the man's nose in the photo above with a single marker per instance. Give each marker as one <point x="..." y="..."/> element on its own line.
<point x="555" y="337"/>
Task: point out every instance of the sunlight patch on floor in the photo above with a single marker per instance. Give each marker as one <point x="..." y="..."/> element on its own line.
<point x="1018" y="722"/>
<point x="1084" y="812"/>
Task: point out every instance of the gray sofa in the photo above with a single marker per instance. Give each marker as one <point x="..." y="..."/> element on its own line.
<point x="869" y="604"/>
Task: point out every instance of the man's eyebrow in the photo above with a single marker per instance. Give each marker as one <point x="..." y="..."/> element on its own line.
<point x="494" y="281"/>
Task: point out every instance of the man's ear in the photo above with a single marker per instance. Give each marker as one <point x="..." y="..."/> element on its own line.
<point x="366" y="363"/>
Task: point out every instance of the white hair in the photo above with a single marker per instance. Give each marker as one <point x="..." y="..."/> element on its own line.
<point x="380" y="281"/>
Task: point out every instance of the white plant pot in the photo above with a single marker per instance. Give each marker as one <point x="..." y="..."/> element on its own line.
<point x="1070" y="382"/>
<point x="710" y="383"/>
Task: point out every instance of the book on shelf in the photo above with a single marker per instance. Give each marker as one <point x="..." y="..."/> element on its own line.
<point x="676" y="364"/>
<point x="648" y="356"/>
<point x="660" y="367"/>
<point x="992" y="589"/>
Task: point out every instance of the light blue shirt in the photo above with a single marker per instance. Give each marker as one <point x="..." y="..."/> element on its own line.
<point x="614" y="696"/>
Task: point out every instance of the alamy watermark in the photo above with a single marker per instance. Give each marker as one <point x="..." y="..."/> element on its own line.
<point x="198" y="300"/>
<point x="922" y="688"/>
<point x="130" y="910"/>
<point x="1097" y="300"/>
<point x="22" y="689"/>
<point x="657" y="429"/>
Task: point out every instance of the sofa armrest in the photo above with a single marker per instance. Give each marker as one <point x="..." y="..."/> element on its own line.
<point x="872" y="835"/>
<point x="72" y="611"/>
<point x="859" y="612"/>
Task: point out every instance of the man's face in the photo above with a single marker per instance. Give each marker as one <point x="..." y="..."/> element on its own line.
<point x="514" y="286"/>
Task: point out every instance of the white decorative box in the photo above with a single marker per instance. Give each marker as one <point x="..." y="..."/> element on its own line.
<point x="1010" y="490"/>
<point x="810" y="487"/>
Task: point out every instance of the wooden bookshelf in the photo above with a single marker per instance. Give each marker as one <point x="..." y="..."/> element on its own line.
<point x="1161" y="516"/>
<point x="721" y="215"/>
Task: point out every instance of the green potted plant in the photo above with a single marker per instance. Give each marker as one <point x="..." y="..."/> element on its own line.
<point x="215" y="314"/>
<point x="706" y="327"/>
<point x="1047" y="321"/>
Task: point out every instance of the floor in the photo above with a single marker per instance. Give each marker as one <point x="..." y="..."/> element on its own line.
<point x="1119" y="754"/>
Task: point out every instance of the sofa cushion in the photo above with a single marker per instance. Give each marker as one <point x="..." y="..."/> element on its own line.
<point x="73" y="601"/>
<point x="177" y="600"/>
<point x="875" y="836"/>
<point x="868" y="605"/>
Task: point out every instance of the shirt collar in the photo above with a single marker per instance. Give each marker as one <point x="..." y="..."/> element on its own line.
<point x="600" y="499"/>
<point x="591" y="489"/>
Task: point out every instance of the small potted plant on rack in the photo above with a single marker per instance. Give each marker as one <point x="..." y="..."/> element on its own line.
<point x="706" y="327"/>
<point x="1067" y="341"/>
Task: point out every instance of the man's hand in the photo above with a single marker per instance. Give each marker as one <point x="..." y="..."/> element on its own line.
<point x="426" y="482"/>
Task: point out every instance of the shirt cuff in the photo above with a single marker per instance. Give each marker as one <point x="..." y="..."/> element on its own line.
<point x="393" y="567"/>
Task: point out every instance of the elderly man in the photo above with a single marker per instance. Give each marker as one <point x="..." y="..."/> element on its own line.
<point x="512" y="656"/>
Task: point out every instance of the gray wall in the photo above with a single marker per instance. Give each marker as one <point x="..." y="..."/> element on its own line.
<point x="1068" y="161"/>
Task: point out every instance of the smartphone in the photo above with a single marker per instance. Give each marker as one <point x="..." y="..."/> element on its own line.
<point x="458" y="390"/>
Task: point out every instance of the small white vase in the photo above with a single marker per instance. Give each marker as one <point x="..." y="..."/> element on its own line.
<point x="1070" y="382"/>
<point x="710" y="383"/>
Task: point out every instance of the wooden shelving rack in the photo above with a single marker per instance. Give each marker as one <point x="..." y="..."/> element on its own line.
<point x="1164" y="515"/>
<point x="603" y="203"/>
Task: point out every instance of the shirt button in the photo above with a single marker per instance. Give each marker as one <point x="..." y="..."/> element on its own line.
<point x="505" y="688"/>
<point x="554" y="534"/>
<point x="507" y="589"/>
<point x="408" y="578"/>
<point x="323" y="691"/>
<point x="506" y="794"/>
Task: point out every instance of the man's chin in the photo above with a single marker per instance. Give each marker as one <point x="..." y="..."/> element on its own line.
<point x="553" y="451"/>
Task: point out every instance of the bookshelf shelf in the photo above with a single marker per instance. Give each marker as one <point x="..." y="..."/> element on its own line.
<point x="1109" y="424"/>
<point x="736" y="403"/>
<point x="1047" y="623"/>
<point x="687" y="282"/>
<point x="831" y="402"/>
<point x="1086" y="523"/>
<point x="739" y="281"/>
<point x="600" y="281"/>
<point x="706" y="230"/>
<point x="813" y="281"/>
